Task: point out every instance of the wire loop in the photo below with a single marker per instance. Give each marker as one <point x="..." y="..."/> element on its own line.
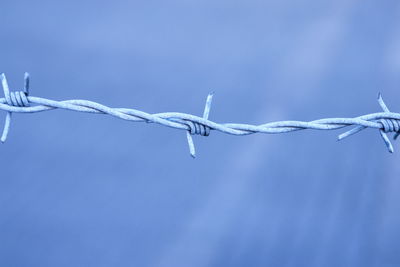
<point x="390" y="125"/>
<point x="196" y="128"/>
<point x="18" y="99"/>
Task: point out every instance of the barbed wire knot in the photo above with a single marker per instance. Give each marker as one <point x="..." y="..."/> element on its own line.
<point x="390" y="125"/>
<point x="387" y="126"/>
<point x="16" y="99"/>
<point x="198" y="128"/>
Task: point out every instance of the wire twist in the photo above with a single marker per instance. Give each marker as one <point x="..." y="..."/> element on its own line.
<point x="20" y="102"/>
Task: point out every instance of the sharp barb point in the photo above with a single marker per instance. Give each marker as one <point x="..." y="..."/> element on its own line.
<point x="26" y="83"/>
<point x="192" y="149"/>
<point x="387" y="141"/>
<point x="382" y="104"/>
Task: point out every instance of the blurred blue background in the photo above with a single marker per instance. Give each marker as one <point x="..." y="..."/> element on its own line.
<point x="86" y="190"/>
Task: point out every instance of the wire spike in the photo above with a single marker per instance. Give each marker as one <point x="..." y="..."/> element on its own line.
<point x="387" y="141"/>
<point x="208" y="105"/>
<point x="26" y="83"/>
<point x="350" y="132"/>
<point x="382" y="103"/>
<point x="7" y="122"/>
<point x="192" y="149"/>
<point x="6" y="128"/>
<point x="6" y="89"/>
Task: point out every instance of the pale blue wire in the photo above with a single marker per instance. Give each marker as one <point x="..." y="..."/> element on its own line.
<point x="20" y="102"/>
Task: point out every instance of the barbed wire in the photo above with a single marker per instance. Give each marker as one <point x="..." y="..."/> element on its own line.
<point x="21" y="102"/>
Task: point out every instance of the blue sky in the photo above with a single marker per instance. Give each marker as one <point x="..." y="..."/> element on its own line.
<point x="89" y="190"/>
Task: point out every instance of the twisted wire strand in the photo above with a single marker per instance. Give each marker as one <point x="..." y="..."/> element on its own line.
<point x="21" y="102"/>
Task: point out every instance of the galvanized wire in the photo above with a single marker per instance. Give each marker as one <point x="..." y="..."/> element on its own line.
<point x="21" y="102"/>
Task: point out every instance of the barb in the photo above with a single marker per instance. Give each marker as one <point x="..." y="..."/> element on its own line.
<point x="20" y="102"/>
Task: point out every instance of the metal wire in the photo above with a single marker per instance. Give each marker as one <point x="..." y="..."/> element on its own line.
<point x="21" y="102"/>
